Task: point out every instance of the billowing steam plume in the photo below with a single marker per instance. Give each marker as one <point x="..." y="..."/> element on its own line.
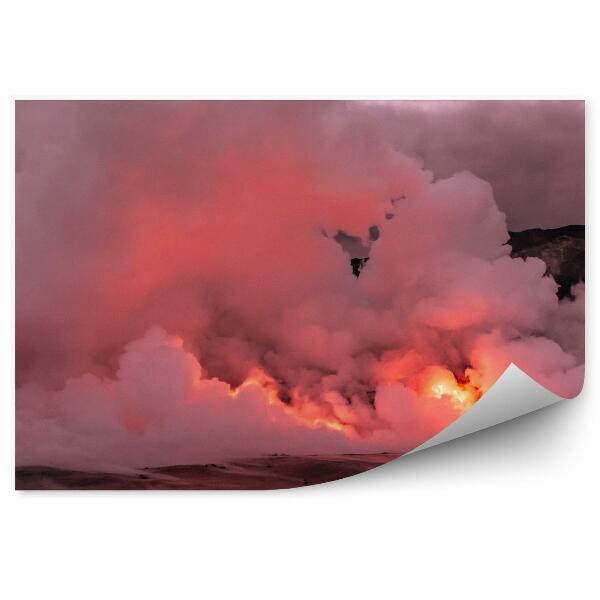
<point x="184" y="289"/>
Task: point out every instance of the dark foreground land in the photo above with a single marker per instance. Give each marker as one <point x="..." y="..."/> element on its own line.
<point x="268" y="473"/>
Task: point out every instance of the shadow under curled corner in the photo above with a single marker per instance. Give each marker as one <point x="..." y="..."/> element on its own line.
<point x="473" y="442"/>
<point x="513" y="395"/>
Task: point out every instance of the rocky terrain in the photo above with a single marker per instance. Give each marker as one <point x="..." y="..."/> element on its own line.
<point x="562" y="249"/>
<point x="277" y="471"/>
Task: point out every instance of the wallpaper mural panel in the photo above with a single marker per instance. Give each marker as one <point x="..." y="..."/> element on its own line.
<point x="272" y="294"/>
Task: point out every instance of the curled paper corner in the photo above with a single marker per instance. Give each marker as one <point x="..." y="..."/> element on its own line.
<point x="513" y="395"/>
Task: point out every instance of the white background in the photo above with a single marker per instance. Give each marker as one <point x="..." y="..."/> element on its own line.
<point x="507" y="513"/>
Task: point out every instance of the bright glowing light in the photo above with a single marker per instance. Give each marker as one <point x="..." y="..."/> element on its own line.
<point x="258" y="377"/>
<point x="433" y="382"/>
<point x="313" y="417"/>
<point x="439" y="382"/>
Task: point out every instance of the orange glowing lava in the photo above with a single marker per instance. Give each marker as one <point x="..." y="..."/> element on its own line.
<point x="259" y="378"/>
<point x="439" y="382"/>
<point x="335" y="414"/>
<point x="306" y="413"/>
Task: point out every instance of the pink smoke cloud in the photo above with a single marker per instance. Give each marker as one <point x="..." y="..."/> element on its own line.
<point x="181" y="295"/>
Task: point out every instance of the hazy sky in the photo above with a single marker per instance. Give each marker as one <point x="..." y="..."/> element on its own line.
<point x="531" y="152"/>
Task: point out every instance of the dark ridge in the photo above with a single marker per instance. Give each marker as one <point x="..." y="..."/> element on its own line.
<point x="358" y="264"/>
<point x="521" y="240"/>
<point x="562" y="249"/>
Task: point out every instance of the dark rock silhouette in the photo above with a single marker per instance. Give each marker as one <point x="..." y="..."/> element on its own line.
<point x="562" y="249"/>
<point x="357" y="265"/>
